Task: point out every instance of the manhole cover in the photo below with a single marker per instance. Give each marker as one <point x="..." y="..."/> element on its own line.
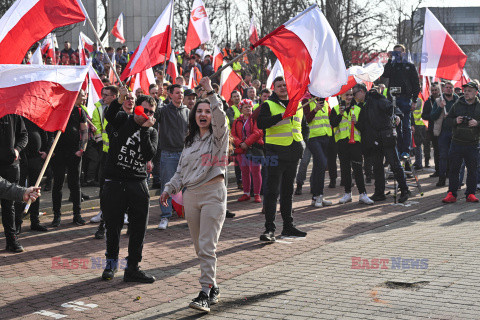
<point x="405" y="285"/>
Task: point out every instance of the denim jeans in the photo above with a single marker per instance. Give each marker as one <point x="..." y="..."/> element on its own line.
<point x="302" y="168"/>
<point x="457" y="155"/>
<point x="168" y="167"/>
<point x="318" y="147"/>
<point x="444" y="140"/>
<point x="405" y="134"/>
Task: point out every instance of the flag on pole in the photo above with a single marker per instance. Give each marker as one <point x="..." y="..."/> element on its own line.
<point x="253" y="32"/>
<point x="463" y="80"/>
<point x="155" y="48"/>
<point x="277" y="71"/>
<point x="217" y="60"/>
<point x="143" y="80"/>
<point x="444" y="58"/>
<point x="43" y="94"/>
<point x="28" y="21"/>
<point x="117" y="30"/>
<point x="307" y="47"/>
<point x="229" y="80"/>
<point x="87" y="42"/>
<point x="81" y="51"/>
<point x="95" y="86"/>
<point x="198" y="27"/>
<point x="48" y="47"/>
<point x="37" y="56"/>
<point x="425" y="93"/>
<point x="366" y="74"/>
<point x="172" y="70"/>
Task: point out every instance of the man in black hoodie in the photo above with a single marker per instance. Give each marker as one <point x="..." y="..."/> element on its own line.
<point x="464" y="117"/>
<point x="284" y="147"/>
<point x="133" y="142"/>
<point x="13" y="139"/>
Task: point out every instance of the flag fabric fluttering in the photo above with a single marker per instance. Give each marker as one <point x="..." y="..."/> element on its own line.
<point x="28" y="21"/>
<point x="463" y="80"/>
<point x="48" y="47"/>
<point x="198" y="27"/>
<point x="366" y="74"/>
<point x="253" y="32"/>
<point x="229" y="80"/>
<point x="307" y="47"/>
<point x="43" y="94"/>
<point x="95" y="86"/>
<point x="155" y="48"/>
<point x="87" y="42"/>
<point x="143" y="80"/>
<point x="217" y="60"/>
<point x="443" y="57"/>
<point x="172" y="70"/>
<point x="117" y="30"/>
<point x="37" y="56"/>
<point x="277" y="71"/>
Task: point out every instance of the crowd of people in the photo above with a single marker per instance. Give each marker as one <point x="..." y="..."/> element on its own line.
<point x="182" y="139"/>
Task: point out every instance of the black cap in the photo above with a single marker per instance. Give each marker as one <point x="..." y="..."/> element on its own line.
<point x="189" y="92"/>
<point x="471" y="84"/>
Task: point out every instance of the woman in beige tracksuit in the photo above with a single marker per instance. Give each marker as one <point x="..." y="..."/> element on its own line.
<point x="201" y="171"/>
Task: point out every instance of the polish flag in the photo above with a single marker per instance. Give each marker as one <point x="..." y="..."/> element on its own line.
<point x="366" y="74"/>
<point x="307" y="47"/>
<point x="43" y="94"/>
<point x="217" y="60"/>
<point x="28" y="21"/>
<point x="198" y="27"/>
<point x="154" y="48"/>
<point x="425" y="93"/>
<point x="95" y="86"/>
<point x="464" y="80"/>
<point x="81" y="51"/>
<point x="111" y="73"/>
<point x="143" y="80"/>
<point x="117" y="30"/>
<point x="277" y="71"/>
<point x="229" y="80"/>
<point x="48" y="46"/>
<point x="37" y="56"/>
<point x="445" y="59"/>
<point x="172" y="70"/>
<point x="87" y="42"/>
<point x="253" y="32"/>
<point x="191" y="80"/>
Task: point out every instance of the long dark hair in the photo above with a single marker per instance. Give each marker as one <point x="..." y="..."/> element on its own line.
<point x="193" y="127"/>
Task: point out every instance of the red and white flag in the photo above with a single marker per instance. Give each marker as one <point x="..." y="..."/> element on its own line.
<point x="37" y="56"/>
<point x="155" y="48"/>
<point x="48" y="46"/>
<point x="229" y="80"/>
<point x="444" y="58"/>
<point x="277" y="71"/>
<point x="307" y="47"/>
<point x="191" y="80"/>
<point x="95" y="86"/>
<point x="117" y="30"/>
<point x="28" y="21"/>
<point x="198" y="27"/>
<point x="425" y="93"/>
<point x="82" y="57"/>
<point x="87" y="42"/>
<point x="217" y="60"/>
<point x="43" y="94"/>
<point x="366" y="74"/>
<point x="172" y="70"/>
<point x="463" y="80"/>
<point x="143" y="80"/>
<point x="253" y="31"/>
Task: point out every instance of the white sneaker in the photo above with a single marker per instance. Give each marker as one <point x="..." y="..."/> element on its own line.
<point x="365" y="199"/>
<point x="163" y="224"/>
<point x="125" y="219"/>
<point x="347" y="197"/>
<point x="319" y="202"/>
<point x="478" y="186"/>
<point x="97" y="218"/>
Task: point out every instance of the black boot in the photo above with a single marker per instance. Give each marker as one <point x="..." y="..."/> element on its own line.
<point x="134" y="274"/>
<point x="441" y="182"/>
<point x="333" y="184"/>
<point x="110" y="269"/>
<point x="13" y="245"/>
<point x="56" y="220"/>
<point x="36" y="226"/>
<point x="100" y="234"/>
<point x="298" y="191"/>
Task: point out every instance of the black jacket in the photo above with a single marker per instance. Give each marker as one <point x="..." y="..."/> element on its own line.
<point x="173" y="127"/>
<point x="13" y="135"/>
<point x="462" y="133"/>
<point x="265" y="120"/>
<point x="403" y="74"/>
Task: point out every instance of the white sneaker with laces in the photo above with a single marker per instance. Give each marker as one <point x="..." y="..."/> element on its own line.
<point x="365" y="199"/>
<point x="163" y="224"/>
<point x="314" y="199"/>
<point x="319" y="202"/>
<point x="125" y="219"/>
<point x="347" y="197"/>
<point x="97" y="218"/>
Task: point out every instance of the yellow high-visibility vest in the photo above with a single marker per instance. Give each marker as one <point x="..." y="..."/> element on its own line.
<point x="320" y="125"/>
<point x="417" y="115"/>
<point x="345" y="125"/>
<point x="99" y="121"/>
<point x="236" y="112"/>
<point x="286" y="131"/>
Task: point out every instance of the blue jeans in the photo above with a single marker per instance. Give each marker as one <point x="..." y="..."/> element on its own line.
<point x="168" y="167"/>
<point x="444" y="140"/>
<point x="318" y="147"/>
<point x="302" y="168"/>
<point x="404" y="140"/>
<point x="457" y="155"/>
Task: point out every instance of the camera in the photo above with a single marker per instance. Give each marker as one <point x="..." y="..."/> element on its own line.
<point x="395" y="90"/>
<point x="466" y="119"/>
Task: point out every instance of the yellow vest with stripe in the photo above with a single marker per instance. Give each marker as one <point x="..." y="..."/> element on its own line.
<point x="255" y="106"/>
<point x="98" y="119"/>
<point x="284" y="132"/>
<point x="417" y="115"/>
<point x="236" y="66"/>
<point x="385" y="92"/>
<point x="236" y="112"/>
<point x="320" y="125"/>
<point x="344" y="128"/>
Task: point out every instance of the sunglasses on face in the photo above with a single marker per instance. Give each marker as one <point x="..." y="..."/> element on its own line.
<point x="149" y="112"/>
<point x="130" y="98"/>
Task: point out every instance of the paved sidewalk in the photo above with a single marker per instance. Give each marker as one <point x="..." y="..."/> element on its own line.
<point x="291" y="279"/>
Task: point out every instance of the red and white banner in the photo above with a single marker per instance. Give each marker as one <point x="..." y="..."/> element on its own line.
<point x="172" y="69"/>
<point x="463" y="80"/>
<point x="277" y="71"/>
<point x="229" y="80"/>
<point x="217" y="60"/>
<point x="117" y="30"/>
<point x="366" y="74"/>
<point x="253" y="32"/>
<point x="37" y="56"/>
<point x="82" y="57"/>
<point x="95" y="86"/>
<point x="444" y="58"/>
<point x="143" y="80"/>
<point x="43" y="94"/>
<point x="198" y="27"/>
<point x="87" y="42"/>
<point x="307" y="47"/>
<point x="28" y="21"/>
<point x="48" y="47"/>
<point x="155" y="48"/>
<point x="425" y="93"/>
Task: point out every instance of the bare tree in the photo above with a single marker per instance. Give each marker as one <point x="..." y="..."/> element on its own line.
<point x="5" y="5"/>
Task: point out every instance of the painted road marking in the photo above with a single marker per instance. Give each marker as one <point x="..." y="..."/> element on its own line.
<point x="50" y="314"/>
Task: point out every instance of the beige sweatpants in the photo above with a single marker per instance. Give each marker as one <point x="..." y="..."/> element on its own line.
<point x="205" y="213"/>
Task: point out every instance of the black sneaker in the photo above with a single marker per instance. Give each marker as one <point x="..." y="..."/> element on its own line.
<point x="293" y="232"/>
<point x="404" y="196"/>
<point x="298" y="190"/>
<point x="332" y="184"/>
<point x="38" y="227"/>
<point x="229" y="214"/>
<point x="214" y="295"/>
<point x="441" y="182"/>
<point x="14" y="246"/>
<point x="78" y="220"/>
<point x="108" y="274"/>
<point x="137" y="275"/>
<point x="268" y="236"/>
<point x="100" y="233"/>
<point x="56" y="221"/>
<point x="201" y="302"/>
<point x="378" y="197"/>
